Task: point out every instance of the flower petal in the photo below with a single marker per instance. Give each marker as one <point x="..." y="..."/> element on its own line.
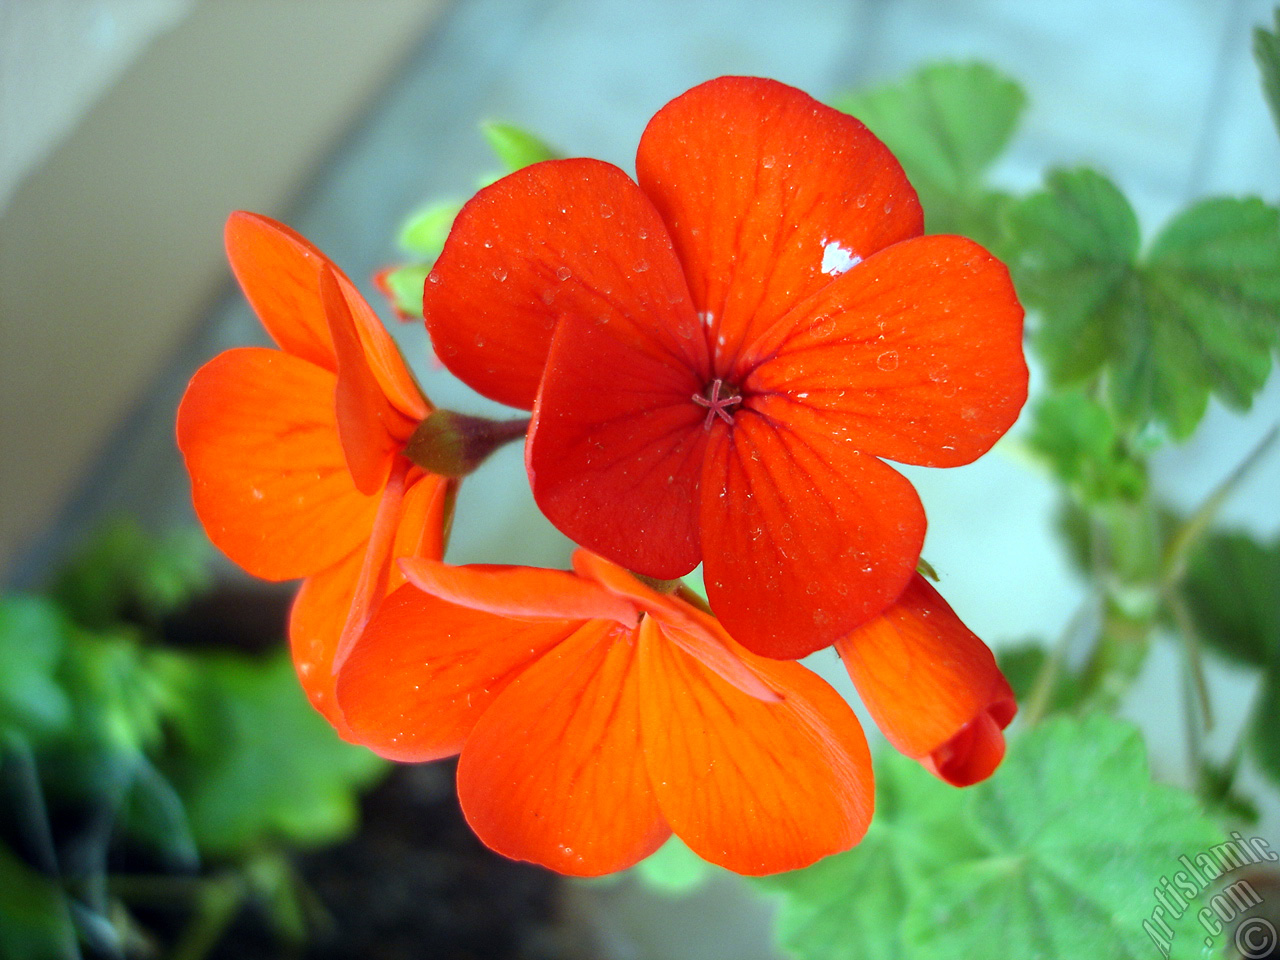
<point x="323" y="604"/>
<point x="755" y="787"/>
<point x="316" y="619"/>
<point x="560" y="238"/>
<point x="258" y="432"/>
<point x="803" y="537"/>
<point x="915" y="355"/>
<point x="424" y="671"/>
<point x="615" y="446"/>
<point x="554" y="772"/>
<point x="768" y="194"/>
<point x="524" y="593"/>
<point x="931" y="686"/>
<point x="279" y="271"/>
<point x="372" y="431"/>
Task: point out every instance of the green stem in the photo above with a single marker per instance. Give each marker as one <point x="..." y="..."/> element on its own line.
<point x="1046" y="681"/>
<point x="1194" y="527"/>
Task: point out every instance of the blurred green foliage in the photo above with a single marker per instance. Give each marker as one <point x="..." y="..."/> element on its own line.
<point x="200" y="756"/>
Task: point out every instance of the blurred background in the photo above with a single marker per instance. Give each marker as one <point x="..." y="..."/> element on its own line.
<point x="130" y="128"/>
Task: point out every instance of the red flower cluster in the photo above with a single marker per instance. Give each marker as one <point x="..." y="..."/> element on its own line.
<point x="717" y="359"/>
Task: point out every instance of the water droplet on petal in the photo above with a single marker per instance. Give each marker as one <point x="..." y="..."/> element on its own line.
<point x="563" y="273"/>
<point x="888" y="360"/>
<point x="499" y="274"/>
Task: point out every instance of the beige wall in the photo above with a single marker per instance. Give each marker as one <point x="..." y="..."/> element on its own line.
<point x="111" y="249"/>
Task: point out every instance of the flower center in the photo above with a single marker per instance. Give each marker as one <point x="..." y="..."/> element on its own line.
<point x="718" y="397"/>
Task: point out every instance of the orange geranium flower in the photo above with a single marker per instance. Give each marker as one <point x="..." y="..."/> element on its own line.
<point x="296" y="454"/>
<point x="932" y="687"/>
<point x="721" y="357"/>
<point x="595" y="716"/>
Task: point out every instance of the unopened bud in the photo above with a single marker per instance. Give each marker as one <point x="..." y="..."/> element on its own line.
<point x="452" y="444"/>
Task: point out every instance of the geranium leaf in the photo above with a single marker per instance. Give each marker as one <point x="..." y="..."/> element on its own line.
<point x="1077" y="438"/>
<point x="1209" y="318"/>
<point x="34" y="921"/>
<point x="674" y="869"/>
<point x="947" y="124"/>
<point x="33" y="633"/>
<point x="257" y="763"/>
<point x="1056" y="857"/>
<point x="1078" y="245"/>
<point x="1231" y="590"/>
<point x="425" y="231"/>
<point x="516" y="148"/>
<point x="1266" y="50"/>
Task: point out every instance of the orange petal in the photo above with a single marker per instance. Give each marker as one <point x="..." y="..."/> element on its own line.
<point x="279" y="271"/>
<point x="915" y="355"/>
<point x="803" y="537"/>
<point x="754" y="787"/>
<point x="525" y="593"/>
<point x="323" y="605"/>
<point x="315" y="623"/>
<point x="768" y="194"/>
<point x="692" y="631"/>
<point x="424" y="671"/>
<point x="554" y="773"/>
<point x="615" y="446"/>
<point x="556" y="239"/>
<point x="931" y="686"/>
<point x="258" y="432"/>
<point x="371" y="429"/>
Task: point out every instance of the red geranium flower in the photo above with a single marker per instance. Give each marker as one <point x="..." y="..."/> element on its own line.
<point x="295" y="454"/>
<point x="595" y="716"/>
<point x="932" y="687"/>
<point x="718" y="357"/>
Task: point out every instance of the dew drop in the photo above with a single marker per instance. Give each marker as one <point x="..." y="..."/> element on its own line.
<point x="606" y="211"/>
<point x="641" y="266"/>
<point x="499" y="274"/>
<point x="767" y="162"/>
<point x="563" y="273"/>
<point x="888" y="360"/>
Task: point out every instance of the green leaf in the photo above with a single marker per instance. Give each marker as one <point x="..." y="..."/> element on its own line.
<point x="1266" y="50"/>
<point x="516" y="148"/>
<point x="1078" y="244"/>
<point x="425" y="231"/>
<point x="947" y="124"/>
<point x="34" y="921"/>
<point x="33" y="635"/>
<point x="674" y="870"/>
<point x="124" y="572"/>
<point x="1266" y="724"/>
<point x="1231" y="591"/>
<point x="1197" y="316"/>
<point x="1076" y="436"/>
<point x="1210" y="316"/>
<point x="257" y="764"/>
<point x="1056" y="857"/>
<point x="404" y="285"/>
<point x="1021" y="665"/>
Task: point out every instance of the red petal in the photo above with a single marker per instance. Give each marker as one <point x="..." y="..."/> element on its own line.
<point x="561" y="238"/>
<point x="915" y="355"/>
<point x="768" y="194"/>
<point x="424" y="671"/>
<point x="525" y="593"/>
<point x="323" y="605"/>
<point x="803" y="537"/>
<point x="615" y="446"/>
<point x="371" y="429"/>
<point x="268" y="477"/>
<point x="554" y="772"/>
<point x="931" y="686"/>
<point x="279" y="271"/>
<point x="755" y="787"/>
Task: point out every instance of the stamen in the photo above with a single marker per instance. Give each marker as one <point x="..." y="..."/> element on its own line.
<point x="717" y="406"/>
